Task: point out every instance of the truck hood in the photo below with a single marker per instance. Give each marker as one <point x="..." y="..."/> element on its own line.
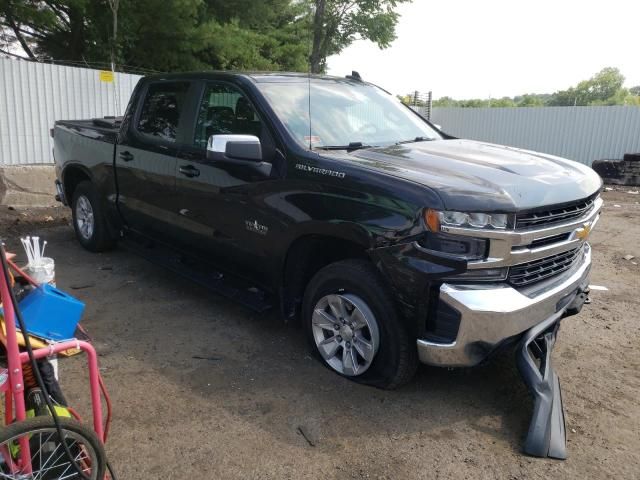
<point x="470" y="175"/>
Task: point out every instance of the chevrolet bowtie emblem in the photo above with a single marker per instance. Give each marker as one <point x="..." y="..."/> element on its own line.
<point x="583" y="232"/>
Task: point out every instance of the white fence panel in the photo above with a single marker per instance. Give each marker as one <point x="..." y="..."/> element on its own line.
<point x="584" y="134"/>
<point x="33" y="95"/>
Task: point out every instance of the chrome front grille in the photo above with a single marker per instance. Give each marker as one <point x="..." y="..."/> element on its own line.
<point x="553" y="215"/>
<point x="537" y="270"/>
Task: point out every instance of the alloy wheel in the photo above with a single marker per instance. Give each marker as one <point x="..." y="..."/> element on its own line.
<point x="346" y="333"/>
<point x="84" y="217"/>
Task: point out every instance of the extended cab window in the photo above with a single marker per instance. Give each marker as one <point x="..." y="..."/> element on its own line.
<point x="161" y="109"/>
<point x="225" y="110"/>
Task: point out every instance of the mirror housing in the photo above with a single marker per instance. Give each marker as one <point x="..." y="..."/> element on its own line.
<point x="233" y="148"/>
<point x="241" y="153"/>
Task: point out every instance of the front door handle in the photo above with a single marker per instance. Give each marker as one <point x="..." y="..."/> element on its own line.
<point x="126" y="156"/>
<point x="189" y="171"/>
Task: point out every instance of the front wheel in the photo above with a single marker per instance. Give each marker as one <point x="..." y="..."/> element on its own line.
<point x="48" y="459"/>
<point x="353" y="326"/>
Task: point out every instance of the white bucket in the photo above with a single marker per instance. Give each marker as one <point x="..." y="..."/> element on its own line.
<point x="43" y="272"/>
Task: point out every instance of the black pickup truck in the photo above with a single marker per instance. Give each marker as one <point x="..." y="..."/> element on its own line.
<point x="391" y="241"/>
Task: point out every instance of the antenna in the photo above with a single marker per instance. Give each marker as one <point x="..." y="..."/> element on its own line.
<point x="309" y="93"/>
<point x="114" y="5"/>
<point x="312" y="19"/>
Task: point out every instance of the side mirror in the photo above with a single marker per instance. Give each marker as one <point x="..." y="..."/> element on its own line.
<point x="234" y="148"/>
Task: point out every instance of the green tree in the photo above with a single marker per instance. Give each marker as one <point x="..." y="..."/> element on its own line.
<point x="502" y="102"/>
<point x="604" y="88"/>
<point x="446" y="102"/>
<point x="52" y="29"/>
<point x="529" y="100"/>
<point x="632" y="100"/>
<point x="338" y="23"/>
<point x="245" y="35"/>
<point x="163" y="35"/>
<point x="175" y="35"/>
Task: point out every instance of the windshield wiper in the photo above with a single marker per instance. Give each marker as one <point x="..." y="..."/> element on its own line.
<point x="351" y="147"/>
<point x="414" y="140"/>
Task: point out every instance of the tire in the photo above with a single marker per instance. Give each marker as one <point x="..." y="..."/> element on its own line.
<point x="360" y="287"/>
<point x="89" y="221"/>
<point x="43" y="427"/>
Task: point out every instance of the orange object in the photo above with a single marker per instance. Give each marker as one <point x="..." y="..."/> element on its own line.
<point x="29" y="377"/>
<point x="432" y="219"/>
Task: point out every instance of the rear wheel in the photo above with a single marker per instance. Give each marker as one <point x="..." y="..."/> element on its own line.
<point x="48" y="459"/>
<point x="89" y="221"/>
<point x="353" y="326"/>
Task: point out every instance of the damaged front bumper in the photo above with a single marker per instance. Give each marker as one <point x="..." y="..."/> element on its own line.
<point x="547" y="434"/>
<point x="493" y="314"/>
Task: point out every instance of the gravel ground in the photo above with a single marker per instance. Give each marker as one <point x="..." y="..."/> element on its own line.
<point x="204" y="388"/>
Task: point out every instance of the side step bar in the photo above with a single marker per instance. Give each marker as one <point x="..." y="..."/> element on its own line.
<point x="206" y="276"/>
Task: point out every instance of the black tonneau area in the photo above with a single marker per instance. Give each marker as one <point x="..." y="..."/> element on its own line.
<point x="108" y="122"/>
<point x="105" y="129"/>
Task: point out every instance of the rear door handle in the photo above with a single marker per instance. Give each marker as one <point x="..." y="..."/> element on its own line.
<point x="126" y="156"/>
<point x="189" y="171"/>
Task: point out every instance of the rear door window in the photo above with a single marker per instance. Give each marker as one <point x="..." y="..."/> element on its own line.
<point x="161" y="110"/>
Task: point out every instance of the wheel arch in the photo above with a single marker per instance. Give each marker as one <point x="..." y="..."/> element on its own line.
<point x="306" y="255"/>
<point x="72" y="175"/>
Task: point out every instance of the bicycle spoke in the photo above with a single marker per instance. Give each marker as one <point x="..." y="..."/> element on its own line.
<point x="47" y="461"/>
<point x="39" y="452"/>
<point x="77" y="463"/>
<point x="48" y="454"/>
<point x="54" y="464"/>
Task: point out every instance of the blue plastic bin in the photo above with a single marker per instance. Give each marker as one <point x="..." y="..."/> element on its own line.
<point x="50" y="313"/>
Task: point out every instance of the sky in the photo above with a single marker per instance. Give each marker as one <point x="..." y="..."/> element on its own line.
<point x="495" y="48"/>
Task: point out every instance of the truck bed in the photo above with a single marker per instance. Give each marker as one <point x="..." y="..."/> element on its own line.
<point x="105" y="129"/>
<point x="90" y="143"/>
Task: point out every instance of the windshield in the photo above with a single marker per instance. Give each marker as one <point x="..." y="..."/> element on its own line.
<point x="344" y="113"/>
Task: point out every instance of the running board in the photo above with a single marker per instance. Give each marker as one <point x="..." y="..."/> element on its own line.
<point x="225" y="285"/>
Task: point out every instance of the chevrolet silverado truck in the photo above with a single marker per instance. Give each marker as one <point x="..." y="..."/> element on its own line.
<point x="391" y="242"/>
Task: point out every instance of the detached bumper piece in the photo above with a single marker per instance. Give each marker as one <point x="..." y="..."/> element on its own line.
<point x="547" y="435"/>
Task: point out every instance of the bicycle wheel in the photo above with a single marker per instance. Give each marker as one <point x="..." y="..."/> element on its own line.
<point x="48" y="458"/>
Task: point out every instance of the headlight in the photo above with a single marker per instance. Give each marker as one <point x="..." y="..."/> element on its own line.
<point x="438" y="220"/>
<point x="464" y="247"/>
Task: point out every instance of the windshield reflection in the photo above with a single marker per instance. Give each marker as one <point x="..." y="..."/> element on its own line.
<point x="343" y="113"/>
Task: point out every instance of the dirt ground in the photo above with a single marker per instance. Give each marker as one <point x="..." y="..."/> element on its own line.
<point x="204" y="388"/>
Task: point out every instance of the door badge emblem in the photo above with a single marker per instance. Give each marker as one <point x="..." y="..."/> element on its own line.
<point x="255" y="227"/>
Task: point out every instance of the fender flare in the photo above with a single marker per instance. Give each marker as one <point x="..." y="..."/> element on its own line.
<point x="73" y="165"/>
